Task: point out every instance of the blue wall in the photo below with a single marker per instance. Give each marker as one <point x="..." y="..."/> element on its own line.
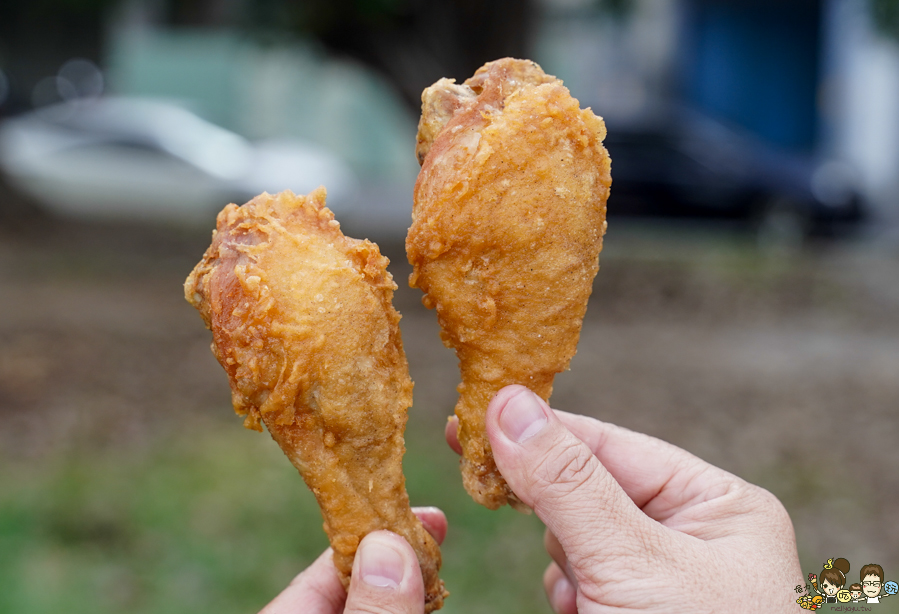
<point x="756" y="63"/>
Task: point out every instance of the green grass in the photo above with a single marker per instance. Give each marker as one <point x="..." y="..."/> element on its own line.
<point x="217" y="520"/>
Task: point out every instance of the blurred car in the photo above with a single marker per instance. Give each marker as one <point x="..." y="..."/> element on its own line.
<point x="686" y="165"/>
<point x="131" y="158"/>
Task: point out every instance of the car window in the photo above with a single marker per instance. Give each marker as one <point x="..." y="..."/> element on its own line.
<point x="648" y="157"/>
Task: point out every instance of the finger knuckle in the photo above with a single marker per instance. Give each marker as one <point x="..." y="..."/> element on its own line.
<point x="567" y="469"/>
<point x="773" y="509"/>
<point x="755" y="499"/>
<point x="769" y="501"/>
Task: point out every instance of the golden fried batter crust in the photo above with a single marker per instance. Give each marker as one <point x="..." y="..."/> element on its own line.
<point x="508" y="220"/>
<point x="303" y="323"/>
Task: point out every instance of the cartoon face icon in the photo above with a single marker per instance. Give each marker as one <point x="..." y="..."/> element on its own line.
<point x="831" y="589"/>
<point x="843" y="596"/>
<point x="871" y="585"/>
<point x="856" y="595"/>
<point x="891" y="588"/>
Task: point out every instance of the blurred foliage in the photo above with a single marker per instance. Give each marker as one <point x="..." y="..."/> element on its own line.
<point x="886" y="16"/>
<point x="220" y="522"/>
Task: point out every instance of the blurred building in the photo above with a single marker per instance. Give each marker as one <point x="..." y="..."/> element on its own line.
<point x="286" y="88"/>
<point x="812" y="76"/>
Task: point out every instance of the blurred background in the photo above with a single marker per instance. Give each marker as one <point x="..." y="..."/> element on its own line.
<point x="747" y="308"/>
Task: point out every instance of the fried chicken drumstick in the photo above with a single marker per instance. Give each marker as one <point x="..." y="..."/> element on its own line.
<point x="303" y="323"/>
<point x="508" y="219"/>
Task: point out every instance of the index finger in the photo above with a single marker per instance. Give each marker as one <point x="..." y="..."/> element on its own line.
<point x="316" y="590"/>
<point x="660" y="478"/>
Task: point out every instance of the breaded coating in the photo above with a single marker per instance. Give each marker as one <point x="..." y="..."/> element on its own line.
<point x="303" y="323"/>
<point x="508" y="219"/>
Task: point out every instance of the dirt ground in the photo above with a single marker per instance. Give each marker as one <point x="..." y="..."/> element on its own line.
<point x="782" y="368"/>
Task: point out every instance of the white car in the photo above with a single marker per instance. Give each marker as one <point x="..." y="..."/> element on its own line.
<point x="130" y="158"/>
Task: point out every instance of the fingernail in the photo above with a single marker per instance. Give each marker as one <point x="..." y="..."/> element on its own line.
<point x="563" y="593"/>
<point x="522" y="417"/>
<point x="380" y="564"/>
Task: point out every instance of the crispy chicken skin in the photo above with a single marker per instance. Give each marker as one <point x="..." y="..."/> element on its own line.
<point x="303" y="323"/>
<point x="508" y="219"/>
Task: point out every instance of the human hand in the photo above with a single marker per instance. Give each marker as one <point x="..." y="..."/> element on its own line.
<point x="637" y="524"/>
<point x="386" y="577"/>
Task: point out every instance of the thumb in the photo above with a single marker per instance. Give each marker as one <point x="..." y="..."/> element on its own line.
<point x="386" y="577"/>
<point x="560" y="478"/>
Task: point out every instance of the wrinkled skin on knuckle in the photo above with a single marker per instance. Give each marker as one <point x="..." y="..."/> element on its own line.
<point x="563" y="472"/>
<point x="773" y="507"/>
<point x="623" y="592"/>
<point x="771" y="523"/>
<point x="762" y="537"/>
<point x="731" y="506"/>
<point x="752" y="509"/>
